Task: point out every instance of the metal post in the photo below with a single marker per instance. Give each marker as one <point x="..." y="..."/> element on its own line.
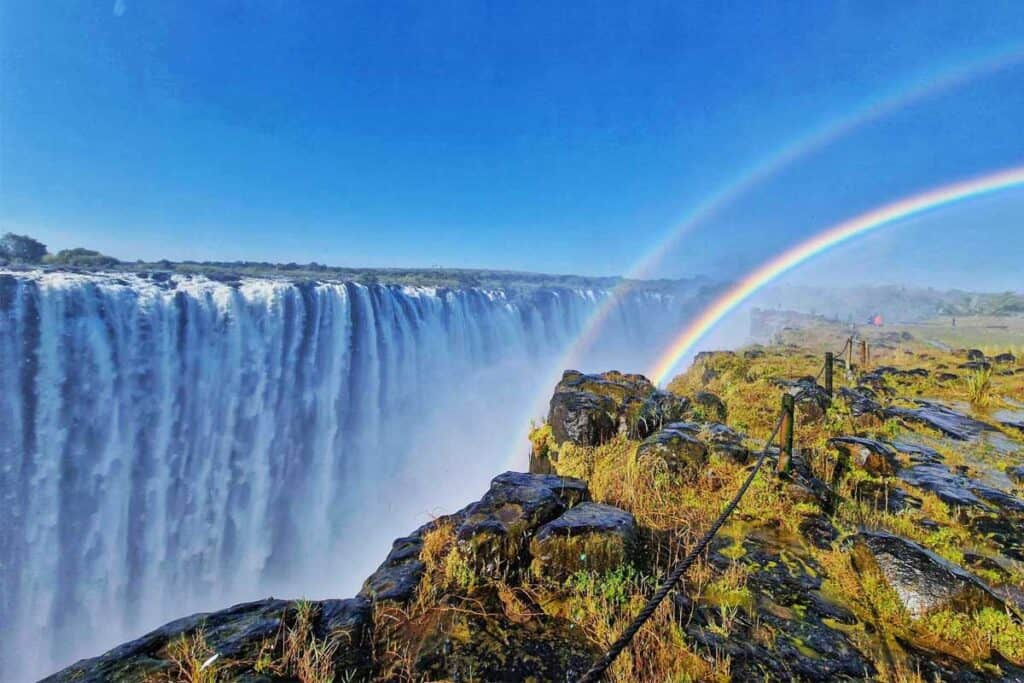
<point x="864" y="355"/>
<point x="786" y="443"/>
<point x="828" y="373"/>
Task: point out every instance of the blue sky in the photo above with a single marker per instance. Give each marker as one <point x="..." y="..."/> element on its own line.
<point x="502" y="135"/>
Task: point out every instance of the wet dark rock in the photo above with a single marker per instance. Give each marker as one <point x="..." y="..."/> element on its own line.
<point x="726" y="442"/>
<point x="588" y="410"/>
<point x="924" y="581"/>
<point x="1016" y="474"/>
<point x="985" y="563"/>
<point x="786" y="598"/>
<point x="711" y="407"/>
<point x="589" y="536"/>
<point x="1004" y="531"/>
<point x="890" y="371"/>
<point x="398" y="576"/>
<point x="811" y="400"/>
<point x="938" y="479"/>
<point x="582" y="418"/>
<point x="496" y="530"/>
<point x="819" y="531"/>
<point x="946" y="377"/>
<point x="918" y="453"/>
<point x="874" y="457"/>
<point x="464" y="646"/>
<point x="639" y="418"/>
<point x="975" y="354"/>
<point x="237" y="635"/>
<point x="975" y="365"/>
<point x="677" y="446"/>
<point x="1004" y="358"/>
<point x="884" y="496"/>
<point x="945" y="420"/>
<point x="861" y="401"/>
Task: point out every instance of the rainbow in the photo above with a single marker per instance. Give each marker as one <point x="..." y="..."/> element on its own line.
<point x="821" y="242"/>
<point x="784" y="157"/>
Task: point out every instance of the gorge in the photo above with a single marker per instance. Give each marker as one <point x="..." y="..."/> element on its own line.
<point x="172" y="442"/>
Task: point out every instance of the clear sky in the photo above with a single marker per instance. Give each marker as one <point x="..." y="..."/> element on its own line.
<point x="558" y="137"/>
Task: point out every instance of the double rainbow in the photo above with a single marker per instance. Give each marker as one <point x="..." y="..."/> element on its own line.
<point x="786" y="156"/>
<point x="831" y="237"/>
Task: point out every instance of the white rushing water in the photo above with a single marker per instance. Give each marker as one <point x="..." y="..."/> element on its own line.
<point x="174" y="446"/>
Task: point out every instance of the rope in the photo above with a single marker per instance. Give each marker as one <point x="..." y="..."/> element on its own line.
<point x="599" y="667"/>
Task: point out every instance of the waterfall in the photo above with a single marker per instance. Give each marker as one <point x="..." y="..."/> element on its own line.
<point x="175" y="444"/>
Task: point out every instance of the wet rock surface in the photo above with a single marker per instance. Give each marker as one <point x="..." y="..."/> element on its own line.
<point x="496" y="529"/>
<point x="588" y="410"/>
<point x="924" y="581"/>
<point x="939" y="417"/>
<point x="237" y="634"/>
<point x="590" y="536"/>
<point x="711" y="407"/>
<point x="958" y="489"/>
<point x="726" y="442"/>
<point x="873" y="456"/>
<point x="676" y="447"/>
<point x="786" y="598"/>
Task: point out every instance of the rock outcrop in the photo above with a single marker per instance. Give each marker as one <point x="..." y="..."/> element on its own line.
<point x="588" y="410"/>
<point x="924" y="581"/>
<point x="590" y="536"/>
<point x="677" y="448"/>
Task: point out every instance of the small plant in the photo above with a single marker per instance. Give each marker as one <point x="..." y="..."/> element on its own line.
<point x="979" y="386"/>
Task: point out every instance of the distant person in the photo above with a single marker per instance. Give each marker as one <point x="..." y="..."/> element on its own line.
<point x="954" y="322"/>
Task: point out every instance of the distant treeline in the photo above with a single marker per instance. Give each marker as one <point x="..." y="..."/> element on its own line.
<point x="23" y="250"/>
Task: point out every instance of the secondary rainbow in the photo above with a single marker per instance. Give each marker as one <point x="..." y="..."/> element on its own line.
<point x="788" y="155"/>
<point x="821" y="242"/>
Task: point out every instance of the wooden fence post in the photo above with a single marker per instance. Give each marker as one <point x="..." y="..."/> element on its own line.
<point x="786" y="443"/>
<point x="863" y="355"/>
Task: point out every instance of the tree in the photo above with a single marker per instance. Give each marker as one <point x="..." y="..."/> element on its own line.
<point x="85" y="258"/>
<point x="22" y="248"/>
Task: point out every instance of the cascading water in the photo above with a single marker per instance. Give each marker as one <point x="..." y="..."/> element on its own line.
<point x="170" y="445"/>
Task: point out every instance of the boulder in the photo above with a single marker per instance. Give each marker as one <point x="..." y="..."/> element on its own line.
<point x="238" y="636"/>
<point x="975" y="365"/>
<point x="875" y="457"/>
<point x="711" y="407"/>
<point x="975" y="354"/>
<point x="726" y="442"/>
<point x="1004" y="358"/>
<point x="398" y="576"/>
<point x="946" y="377"/>
<point x="677" y="446"/>
<point x="467" y="645"/>
<point x="924" y="581"/>
<point x="808" y="642"/>
<point x="941" y="418"/>
<point x="958" y="489"/>
<point x="811" y="400"/>
<point x="917" y="453"/>
<point x="588" y="410"/>
<point x="494" y="536"/>
<point x="861" y="401"/>
<point x="1016" y="474"/>
<point x="590" y="536"/>
<point x="582" y="418"/>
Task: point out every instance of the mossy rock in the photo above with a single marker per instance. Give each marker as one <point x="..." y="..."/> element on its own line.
<point x="590" y="536"/>
<point x="676" y="446"/>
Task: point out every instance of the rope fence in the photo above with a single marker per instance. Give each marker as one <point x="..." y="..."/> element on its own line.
<point x="783" y="424"/>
